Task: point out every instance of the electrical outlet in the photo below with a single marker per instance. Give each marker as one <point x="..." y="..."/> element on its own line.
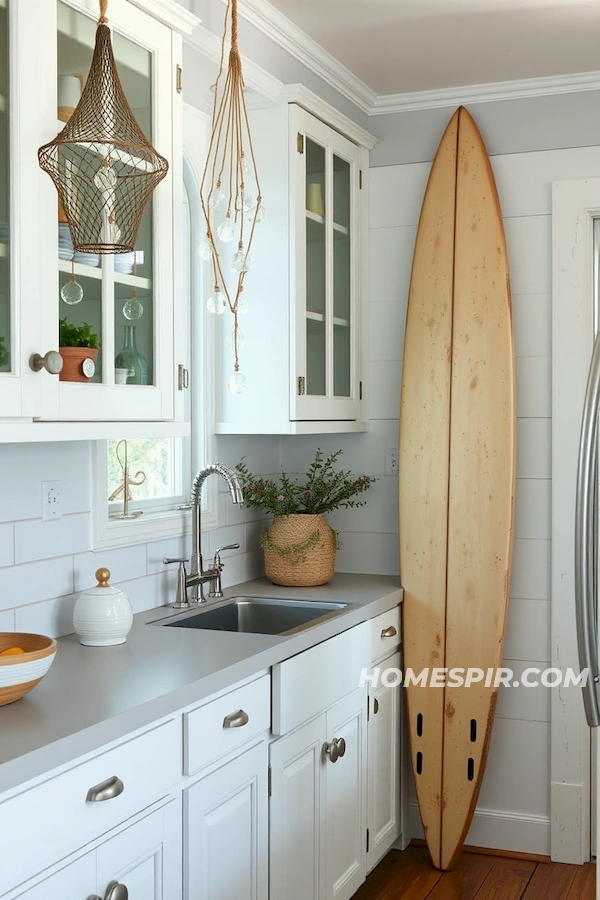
<point x="391" y="461"/>
<point x="50" y="501"/>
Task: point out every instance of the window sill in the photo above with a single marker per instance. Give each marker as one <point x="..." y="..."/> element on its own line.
<point x="147" y="527"/>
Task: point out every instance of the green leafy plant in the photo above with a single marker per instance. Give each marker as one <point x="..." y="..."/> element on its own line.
<point x="70" y="335"/>
<point x="324" y="488"/>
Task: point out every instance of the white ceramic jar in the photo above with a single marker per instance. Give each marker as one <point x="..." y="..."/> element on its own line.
<point x="102" y="616"/>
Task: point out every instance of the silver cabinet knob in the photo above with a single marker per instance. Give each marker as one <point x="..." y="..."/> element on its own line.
<point x="389" y="632"/>
<point x="332" y="750"/>
<point x="106" y="790"/>
<point x="116" y="891"/>
<point x="236" y="719"/>
<point x="341" y="743"/>
<point x="52" y="362"/>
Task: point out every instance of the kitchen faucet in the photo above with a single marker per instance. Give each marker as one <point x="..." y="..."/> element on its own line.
<point x="198" y="576"/>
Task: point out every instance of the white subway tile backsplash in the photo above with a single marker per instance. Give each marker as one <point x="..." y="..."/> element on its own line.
<point x="169" y="548"/>
<point x="386" y="331"/>
<point x="384" y="389"/>
<point x="53" y="617"/>
<point x="531" y="570"/>
<point x="533" y="508"/>
<point x="7" y="620"/>
<point x="378" y="515"/>
<point x="43" y="540"/>
<point x="23" y="467"/>
<point x="243" y="567"/>
<point x="35" y="581"/>
<point x="220" y="537"/>
<point x="534" y="386"/>
<point x="7" y="544"/>
<point x="123" y="562"/>
<point x="150" y="591"/>
<point x="375" y="554"/>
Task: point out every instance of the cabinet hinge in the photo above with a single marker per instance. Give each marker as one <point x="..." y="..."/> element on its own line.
<point x="367" y="840"/>
<point x="368" y="707"/>
<point x="301" y="385"/>
<point x="183" y="377"/>
<point x="360" y="179"/>
<point x="270" y="781"/>
<point x="360" y="390"/>
<point x="178" y="79"/>
<point x="300" y="143"/>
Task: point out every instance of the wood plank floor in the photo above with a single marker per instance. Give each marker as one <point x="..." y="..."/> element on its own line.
<point x="408" y="875"/>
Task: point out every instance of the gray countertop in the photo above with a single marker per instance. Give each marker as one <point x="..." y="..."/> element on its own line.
<point x="94" y="695"/>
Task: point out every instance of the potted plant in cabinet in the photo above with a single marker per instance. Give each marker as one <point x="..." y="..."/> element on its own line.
<point x="300" y="547"/>
<point x="78" y="345"/>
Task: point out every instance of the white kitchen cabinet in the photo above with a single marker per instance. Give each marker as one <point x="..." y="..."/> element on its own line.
<point x="145" y="858"/>
<point x="306" y="288"/>
<point x="383" y="749"/>
<point x="48" y="40"/>
<point x="226" y="830"/>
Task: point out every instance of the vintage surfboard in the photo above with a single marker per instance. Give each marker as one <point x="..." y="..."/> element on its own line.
<point x="456" y="479"/>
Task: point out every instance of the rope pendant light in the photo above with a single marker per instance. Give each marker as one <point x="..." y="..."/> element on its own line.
<point x="104" y="168"/>
<point x="230" y="194"/>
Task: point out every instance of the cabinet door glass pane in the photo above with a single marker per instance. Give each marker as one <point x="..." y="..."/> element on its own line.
<point x="316" y="270"/>
<point x="123" y="280"/>
<point x="341" y="277"/>
<point x="4" y="195"/>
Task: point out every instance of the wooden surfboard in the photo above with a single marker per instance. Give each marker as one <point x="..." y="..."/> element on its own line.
<point x="456" y="479"/>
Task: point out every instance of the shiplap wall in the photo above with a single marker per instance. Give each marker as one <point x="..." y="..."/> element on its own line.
<point x="514" y="805"/>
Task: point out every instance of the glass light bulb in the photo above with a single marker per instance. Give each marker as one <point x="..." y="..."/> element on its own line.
<point x="217" y="199"/>
<point x="205" y="250"/>
<point x="245" y="166"/>
<point x="133" y="309"/>
<point x="261" y="214"/>
<point x="71" y="293"/>
<point x="241" y="261"/>
<point x="243" y="305"/>
<point x="247" y="200"/>
<point x="226" y="230"/>
<point x="105" y="178"/>
<point x="230" y="340"/>
<point x="216" y="304"/>
<point x="236" y="383"/>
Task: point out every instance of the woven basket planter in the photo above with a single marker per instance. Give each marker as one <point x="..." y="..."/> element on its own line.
<point x="299" y="550"/>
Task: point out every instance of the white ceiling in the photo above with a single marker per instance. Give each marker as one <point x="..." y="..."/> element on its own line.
<point x="401" y="46"/>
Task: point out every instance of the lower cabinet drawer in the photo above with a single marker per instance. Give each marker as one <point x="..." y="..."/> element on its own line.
<point x="55" y="817"/>
<point x="385" y="633"/>
<point x="220" y="726"/>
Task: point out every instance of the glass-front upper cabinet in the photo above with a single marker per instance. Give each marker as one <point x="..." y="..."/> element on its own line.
<point x="5" y="310"/>
<point x="327" y="184"/>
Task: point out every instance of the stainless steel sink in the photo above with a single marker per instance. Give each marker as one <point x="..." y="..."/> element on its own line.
<point x="260" y="615"/>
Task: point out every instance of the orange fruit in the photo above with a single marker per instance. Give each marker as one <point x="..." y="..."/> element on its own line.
<point x="12" y="651"/>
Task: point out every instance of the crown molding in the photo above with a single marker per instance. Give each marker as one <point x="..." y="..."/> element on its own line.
<point x="255" y="77"/>
<point x="297" y="93"/>
<point x="170" y="13"/>
<point x="484" y="93"/>
<point x="298" y="44"/>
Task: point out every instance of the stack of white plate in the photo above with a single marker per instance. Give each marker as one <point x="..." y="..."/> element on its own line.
<point x="87" y="259"/>
<point x="65" y="244"/>
<point x="124" y="261"/>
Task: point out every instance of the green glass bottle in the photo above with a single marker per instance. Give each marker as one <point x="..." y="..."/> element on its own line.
<point x="130" y="359"/>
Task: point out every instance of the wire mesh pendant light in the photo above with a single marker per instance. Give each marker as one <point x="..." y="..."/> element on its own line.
<point x="103" y="166"/>
<point x="230" y="194"/>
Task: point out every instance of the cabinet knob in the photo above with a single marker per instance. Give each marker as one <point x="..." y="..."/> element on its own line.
<point x="52" y="362"/>
<point x="236" y="719"/>
<point x="341" y="746"/>
<point x="389" y="632"/>
<point x="375" y="706"/>
<point x="332" y="750"/>
<point x="116" y="891"/>
<point x="106" y="790"/>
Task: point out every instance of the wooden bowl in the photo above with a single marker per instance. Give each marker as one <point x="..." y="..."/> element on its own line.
<point x="19" y="673"/>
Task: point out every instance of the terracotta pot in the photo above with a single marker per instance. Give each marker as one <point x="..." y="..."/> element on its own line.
<point x="73" y="357"/>
<point x="299" y="550"/>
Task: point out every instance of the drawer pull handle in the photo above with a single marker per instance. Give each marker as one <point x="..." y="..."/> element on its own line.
<point x="375" y="706"/>
<point x="106" y="790"/>
<point x="388" y="632"/>
<point x="236" y="719"/>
